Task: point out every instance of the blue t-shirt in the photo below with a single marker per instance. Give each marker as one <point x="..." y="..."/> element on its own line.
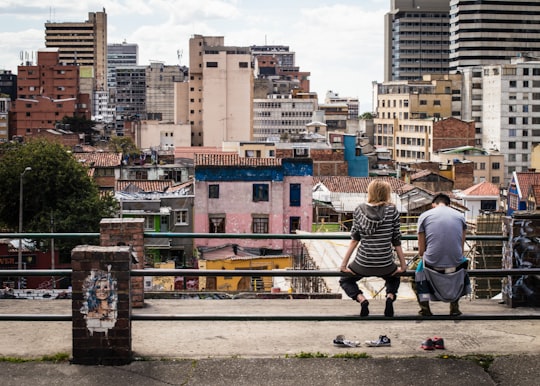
<point x="443" y="228"/>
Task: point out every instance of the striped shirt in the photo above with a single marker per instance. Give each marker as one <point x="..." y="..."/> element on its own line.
<point x="377" y="229"/>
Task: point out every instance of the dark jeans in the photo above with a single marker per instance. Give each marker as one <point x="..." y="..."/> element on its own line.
<point x="350" y="285"/>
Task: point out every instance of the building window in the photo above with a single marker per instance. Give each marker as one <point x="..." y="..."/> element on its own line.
<point x="260" y="192"/>
<point x="495" y="165"/>
<point x="260" y="224"/>
<point x="181" y="217"/>
<point x="141" y="175"/>
<point x="488" y="205"/>
<point x="216" y="223"/>
<point x="294" y="194"/>
<point x="149" y="223"/>
<point x="482" y="166"/>
<point x="243" y="64"/>
<point x="211" y="64"/>
<point x="513" y="83"/>
<point x="495" y="179"/>
<point x="511" y="145"/>
<point x="213" y="191"/>
<point x="294" y="224"/>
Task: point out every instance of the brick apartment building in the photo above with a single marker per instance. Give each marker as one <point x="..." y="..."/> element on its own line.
<point x="46" y="93"/>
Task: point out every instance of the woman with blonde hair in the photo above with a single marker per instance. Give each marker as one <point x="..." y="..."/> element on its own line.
<point x="376" y="233"/>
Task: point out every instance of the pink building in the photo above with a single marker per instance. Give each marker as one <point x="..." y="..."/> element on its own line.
<point x="252" y="195"/>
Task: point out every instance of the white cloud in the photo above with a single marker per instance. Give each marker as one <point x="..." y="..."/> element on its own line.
<point x="340" y="42"/>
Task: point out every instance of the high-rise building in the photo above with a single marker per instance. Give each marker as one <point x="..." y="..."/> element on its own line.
<point x="130" y="95"/>
<point x="8" y="84"/>
<point x="510" y="114"/>
<point x="120" y="54"/>
<point x="160" y="79"/>
<point x="416" y="39"/>
<point x="281" y="118"/>
<point x="82" y="43"/>
<point x="220" y="92"/>
<point x="492" y="32"/>
<point x="5" y="102"/>
<point x="47" y="92"/>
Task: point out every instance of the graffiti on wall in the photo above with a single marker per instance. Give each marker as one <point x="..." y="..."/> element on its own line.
<point x="100" y="301"/>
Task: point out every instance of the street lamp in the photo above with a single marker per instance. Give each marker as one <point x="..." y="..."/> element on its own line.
<point x="19" y="260"/>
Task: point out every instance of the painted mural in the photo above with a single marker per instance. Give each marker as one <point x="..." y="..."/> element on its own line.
<point x="100" y="301"/>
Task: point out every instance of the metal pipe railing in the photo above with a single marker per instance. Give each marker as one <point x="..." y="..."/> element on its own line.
<point x="247" y="272"/>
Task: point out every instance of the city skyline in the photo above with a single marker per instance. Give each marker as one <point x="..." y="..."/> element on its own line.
<point x="339" y="42"/>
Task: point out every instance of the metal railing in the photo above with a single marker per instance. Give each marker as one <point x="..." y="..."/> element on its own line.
<point x="270" y="273"/>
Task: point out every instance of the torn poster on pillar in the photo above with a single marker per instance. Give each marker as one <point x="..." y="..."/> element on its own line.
<point x="100" y="301"/>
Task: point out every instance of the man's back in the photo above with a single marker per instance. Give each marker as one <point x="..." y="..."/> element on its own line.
<point x="443" y="228"/>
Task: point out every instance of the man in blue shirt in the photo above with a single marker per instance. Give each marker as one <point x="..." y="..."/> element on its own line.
<point x="441" y="239"/>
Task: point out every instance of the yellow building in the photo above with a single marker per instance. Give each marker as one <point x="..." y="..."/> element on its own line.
<point x="243" y="283"/>
<point x="163" y="283"/>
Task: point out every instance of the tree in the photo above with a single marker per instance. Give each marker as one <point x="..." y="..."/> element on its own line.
<point x="79" y="124"/>
<point x="366" y="115"/>
<point x="124" y="145"/>
<point x="57" y="187"/>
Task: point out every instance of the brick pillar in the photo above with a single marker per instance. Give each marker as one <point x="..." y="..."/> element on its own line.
<point x="130" y="232"/>
<point x="101" y="307"/>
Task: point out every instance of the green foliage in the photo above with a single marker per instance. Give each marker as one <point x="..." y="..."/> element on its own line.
<point x="124" y="145"/>
<point x="318" y="354"/>
<point x="352" y="355"/>
<point x="60" y="357"/>
<point x="56" y="188"/>
<point x="366" y="116"/>
<point x="79" y="124"/>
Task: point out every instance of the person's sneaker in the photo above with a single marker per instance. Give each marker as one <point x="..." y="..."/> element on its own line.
<point x="340" y="341"/>
<point x="428" y="344"/>
<point x="438" y="343"/>
<point x="383" y="341"/>
<point x="389" y="308"/>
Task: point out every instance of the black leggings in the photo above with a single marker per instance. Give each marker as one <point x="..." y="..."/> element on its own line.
<point x="350" y="285"/>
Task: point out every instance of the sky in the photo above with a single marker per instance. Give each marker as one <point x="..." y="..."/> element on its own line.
<point x="339" y="42"/>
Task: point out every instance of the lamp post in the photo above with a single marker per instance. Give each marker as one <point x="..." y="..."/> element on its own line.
<point x="19" y="260"/>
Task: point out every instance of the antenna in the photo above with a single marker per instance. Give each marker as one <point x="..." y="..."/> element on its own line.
<point x="179" y="54"/>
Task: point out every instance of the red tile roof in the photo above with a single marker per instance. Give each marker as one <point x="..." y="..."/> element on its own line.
<point x="189" y="152"/>
<point x="232" y="159"/>
<point x="344" y="184"/>
<point x="148" y="186"/>
<point x="482" y="189"/>
<point x="99" y="159"/>
<point x="421" y="174"/>
<point x="525" y="180"/>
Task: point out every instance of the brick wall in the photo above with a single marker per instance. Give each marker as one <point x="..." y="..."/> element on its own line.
<point x="129" y="232"/>
<point x="101" y="307"/>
